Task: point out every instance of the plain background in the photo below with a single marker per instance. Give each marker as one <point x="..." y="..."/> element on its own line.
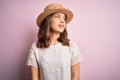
<point x="95" y="28"/>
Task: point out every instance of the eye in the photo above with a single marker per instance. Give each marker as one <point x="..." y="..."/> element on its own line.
<point x="57" y="16"/>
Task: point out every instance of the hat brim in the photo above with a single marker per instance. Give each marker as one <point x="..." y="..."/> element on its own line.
<point x="44" y="14"/>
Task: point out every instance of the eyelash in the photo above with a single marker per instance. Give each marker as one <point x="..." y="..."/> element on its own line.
<point x="59" y="17"/>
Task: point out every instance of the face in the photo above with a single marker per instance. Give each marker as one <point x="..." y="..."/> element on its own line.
<point x="57" y="22"/>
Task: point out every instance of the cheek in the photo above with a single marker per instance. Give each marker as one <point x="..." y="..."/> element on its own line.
<point x="53" y="23"/>
<point x="53" y="26"/>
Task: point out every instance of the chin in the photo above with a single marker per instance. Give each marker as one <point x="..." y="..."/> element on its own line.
<point x="59" y="31"/>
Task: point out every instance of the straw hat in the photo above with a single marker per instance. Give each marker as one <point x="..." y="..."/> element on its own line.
<point x="54" y="8"/>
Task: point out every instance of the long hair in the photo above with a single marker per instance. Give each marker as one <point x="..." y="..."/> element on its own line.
<point x="44" y="34"/>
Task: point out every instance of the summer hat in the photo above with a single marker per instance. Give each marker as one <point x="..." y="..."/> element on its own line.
<point x="54" y="8"/>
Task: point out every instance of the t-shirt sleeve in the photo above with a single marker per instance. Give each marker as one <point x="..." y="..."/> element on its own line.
<point x="31" y="60"/>
<point x="76" y="55"/>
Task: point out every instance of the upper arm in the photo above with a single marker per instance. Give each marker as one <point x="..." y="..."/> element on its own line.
<point x="32" y="62"/>
<point x="76" y="57"/>
<point x="34" y="73"/>
<point x="32" y="57"/>
<point x="75" y="71"/>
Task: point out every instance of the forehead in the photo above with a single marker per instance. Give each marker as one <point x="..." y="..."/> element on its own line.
<point x="60" y="14"/>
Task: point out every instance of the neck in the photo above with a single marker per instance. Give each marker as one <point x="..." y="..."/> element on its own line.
<point x="54" y="38"/>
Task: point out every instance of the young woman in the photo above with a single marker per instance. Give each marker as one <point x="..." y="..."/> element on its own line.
<point x="53" y="56"/>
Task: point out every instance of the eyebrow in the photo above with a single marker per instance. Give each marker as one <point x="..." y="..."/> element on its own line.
<point x="60" y="15"/>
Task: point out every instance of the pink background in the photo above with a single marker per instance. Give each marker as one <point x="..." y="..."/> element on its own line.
<point x="95" y="28"/>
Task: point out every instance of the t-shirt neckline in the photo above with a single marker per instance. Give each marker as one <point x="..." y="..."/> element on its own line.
<point x="53" y="45"/>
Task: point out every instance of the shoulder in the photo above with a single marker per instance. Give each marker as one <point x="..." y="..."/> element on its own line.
<point x="73" y="46"/>
<point x="33" y="45"/>
<point x="72" y="43"/>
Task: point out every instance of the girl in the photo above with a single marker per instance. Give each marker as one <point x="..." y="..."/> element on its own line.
<point x="53" y="56"/>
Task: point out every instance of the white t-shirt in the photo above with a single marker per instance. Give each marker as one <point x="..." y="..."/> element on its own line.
<point x="55" y="61"/>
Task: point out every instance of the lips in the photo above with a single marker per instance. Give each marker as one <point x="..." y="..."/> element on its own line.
<point x="61" y="26"/>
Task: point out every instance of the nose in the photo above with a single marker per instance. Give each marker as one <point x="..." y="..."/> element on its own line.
<point x="62" y="20"/>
